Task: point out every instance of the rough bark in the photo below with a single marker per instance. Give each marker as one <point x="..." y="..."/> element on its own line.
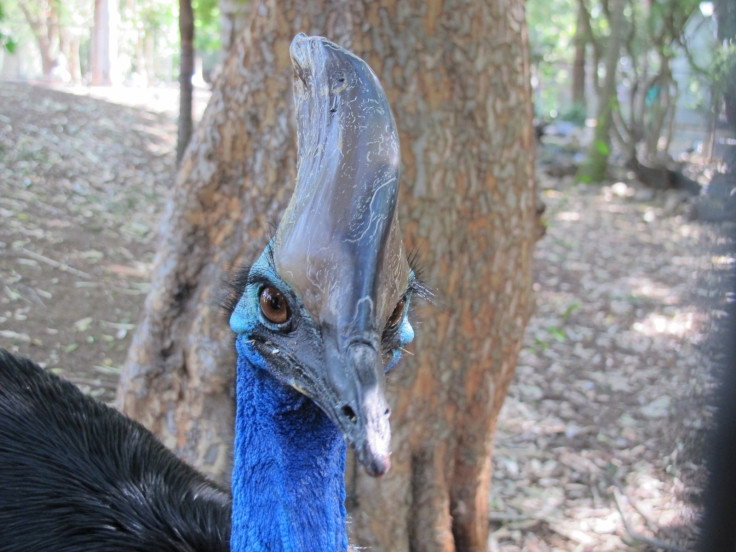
<point x="234" y="17"/>
<point x="186" y="70"/>
<point x="457" y="75"/>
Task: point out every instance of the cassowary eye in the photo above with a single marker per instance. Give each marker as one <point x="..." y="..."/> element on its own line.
<point x="273" y="305"/>
<point x="397" y="316"/>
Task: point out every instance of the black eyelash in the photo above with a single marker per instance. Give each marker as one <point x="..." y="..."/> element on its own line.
<point x="418" y="286"/>
<point x="234" y="288"/>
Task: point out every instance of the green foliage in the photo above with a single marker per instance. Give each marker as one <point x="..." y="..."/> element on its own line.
<point x="555" y="332"/>
<point x="206" y="26"/>
<point x="159" y="19"/>
<point x="6" y="40"/>
<point x="576" y="114"/>
<point x="551" y="26"/>
<point x="551" y="29"/>
<point x="722" y="68"/>
<point x="601" y="147"/>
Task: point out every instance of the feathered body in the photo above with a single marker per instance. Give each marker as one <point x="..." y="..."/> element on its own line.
<point x="77" y="476"/>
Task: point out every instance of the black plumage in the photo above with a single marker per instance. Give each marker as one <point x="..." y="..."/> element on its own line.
<point x="78" y="476"/>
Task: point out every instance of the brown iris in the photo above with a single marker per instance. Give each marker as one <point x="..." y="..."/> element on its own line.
<point x="398" y="315"/>
<point x="273" y="305"/>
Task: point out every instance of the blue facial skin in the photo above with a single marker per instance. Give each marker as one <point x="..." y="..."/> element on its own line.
<point x="288" y="453"/>
<point x="246" y="314"/>
<point x="405" y="330"/>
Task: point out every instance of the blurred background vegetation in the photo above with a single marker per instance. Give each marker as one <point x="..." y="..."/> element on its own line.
<point x="57" y="40"/>
<point x="672" y="63"/>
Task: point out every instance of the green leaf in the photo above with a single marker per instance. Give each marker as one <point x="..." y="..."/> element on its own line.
<point x="569" y="310"/>
<point x="557" y="333"/>
<point x="602" y="148"/>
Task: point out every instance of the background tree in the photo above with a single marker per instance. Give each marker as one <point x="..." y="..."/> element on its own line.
<point x="646" y="38"/>
<point x="186" y="71"/>
<point x="654" y="35"/>
<point x="104" y="43"/>
<point x="43" y="19"/>
<point x="578" y="69"/>
<point x="726" y="72"/>
<point x="58" y="29"/>
<point x="458" y="79"/>
<point x="593" y="168"/>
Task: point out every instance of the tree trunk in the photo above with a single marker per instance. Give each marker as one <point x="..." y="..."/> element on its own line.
<point x="593" y="169"/>
<point x="186" y="70"/>
<point x="75" y="68"/>
<point x="104" y="43"/>
<point x="458" y="80"/>
<point x="578" y="68"/>
<point x="43" y="26"/>
<point x="726" y="17"/>
<point x="234" y="17"/>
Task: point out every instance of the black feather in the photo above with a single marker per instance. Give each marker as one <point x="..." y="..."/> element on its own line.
<point x="78" y="476"/>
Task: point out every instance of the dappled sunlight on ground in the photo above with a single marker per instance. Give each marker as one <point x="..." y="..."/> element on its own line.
<point x="677" y="325"/>
<point x="597" y="445"/>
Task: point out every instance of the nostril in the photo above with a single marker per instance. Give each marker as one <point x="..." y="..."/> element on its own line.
<point x="349" y="413"/>
<point x="387" y="412"/>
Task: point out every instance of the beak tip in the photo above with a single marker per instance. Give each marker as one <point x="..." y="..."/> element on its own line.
<point x="375" y="465"/>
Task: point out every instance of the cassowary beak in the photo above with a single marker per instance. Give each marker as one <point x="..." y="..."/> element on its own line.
<point x="362" y="412"/>
<point x="338" y="246"/>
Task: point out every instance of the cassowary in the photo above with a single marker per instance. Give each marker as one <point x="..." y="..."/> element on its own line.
<point x="319" y="318"/>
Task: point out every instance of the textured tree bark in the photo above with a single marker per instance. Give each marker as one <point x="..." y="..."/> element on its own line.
<point x="458" y="78"/>
<point x="457" y="75"/>
<point x="234" y="17"/>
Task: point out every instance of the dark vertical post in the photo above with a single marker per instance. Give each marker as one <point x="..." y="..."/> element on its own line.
<point x="186" y="70"/>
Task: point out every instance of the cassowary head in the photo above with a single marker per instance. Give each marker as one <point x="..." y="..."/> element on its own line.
<point x="326" y="304"/>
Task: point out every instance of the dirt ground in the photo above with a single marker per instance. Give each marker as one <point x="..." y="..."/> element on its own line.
<point x="598" y="443"/>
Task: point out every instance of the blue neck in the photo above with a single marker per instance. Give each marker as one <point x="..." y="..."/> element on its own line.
<point x="288" y="473"/>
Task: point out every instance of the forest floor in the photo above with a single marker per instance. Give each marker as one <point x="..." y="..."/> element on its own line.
<point x="598" y="442"/>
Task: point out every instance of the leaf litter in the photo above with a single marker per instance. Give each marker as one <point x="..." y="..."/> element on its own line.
<point x="599" y="443"/>
<point x="82" y="185"/>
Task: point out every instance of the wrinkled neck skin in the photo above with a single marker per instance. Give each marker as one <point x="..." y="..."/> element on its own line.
<point x="288" y="473"/>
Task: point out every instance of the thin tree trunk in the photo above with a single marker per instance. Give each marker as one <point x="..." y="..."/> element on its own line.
<point x="43" y="31"/>
<point x="726" y="17"/>
<point x="578" y="68"/>
<point x="186" y="70"/>
<point x="75" y="68"/>
<point x="593" y="169"/>
<point x="457" y="75"/>
<point x="104" y="43"/>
